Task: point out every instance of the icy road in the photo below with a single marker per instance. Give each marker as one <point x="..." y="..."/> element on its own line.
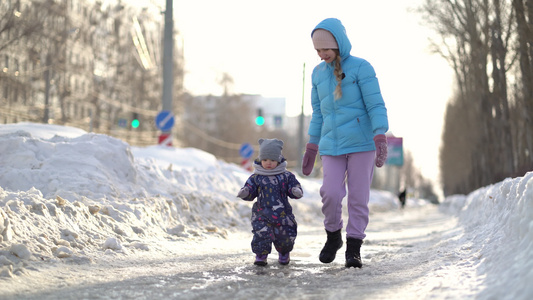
<point x="403" y="255"/>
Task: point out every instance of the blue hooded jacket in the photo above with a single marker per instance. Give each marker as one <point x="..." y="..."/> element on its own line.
<point x="348" y="124"/>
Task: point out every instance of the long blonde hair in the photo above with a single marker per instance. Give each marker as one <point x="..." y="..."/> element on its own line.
<point x="338" y="75"/>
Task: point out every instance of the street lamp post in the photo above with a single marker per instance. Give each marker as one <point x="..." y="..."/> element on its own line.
<point x="167" y="60"/>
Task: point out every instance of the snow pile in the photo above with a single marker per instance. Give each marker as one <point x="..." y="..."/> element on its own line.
<point x="80" y="195"/>
<point x="498" y="224"/>
<point x="69" y="194"/>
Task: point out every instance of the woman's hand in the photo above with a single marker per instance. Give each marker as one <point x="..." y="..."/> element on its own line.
<point x="309" y="158"/>
<point x="381" y="149"/>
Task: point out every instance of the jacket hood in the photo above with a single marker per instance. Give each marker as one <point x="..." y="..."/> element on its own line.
<point x="339" y="32"/>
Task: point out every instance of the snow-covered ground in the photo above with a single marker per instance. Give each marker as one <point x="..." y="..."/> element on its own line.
<point x="72" y="201"/>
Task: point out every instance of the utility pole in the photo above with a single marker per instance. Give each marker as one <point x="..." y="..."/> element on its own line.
<point x="301" y="125"/>
<point x="46" y="113"/>
<point x="168" y="77"/>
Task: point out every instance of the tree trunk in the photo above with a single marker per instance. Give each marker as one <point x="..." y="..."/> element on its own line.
<point x="525" y="55"/>
<point x="501" y="123"/>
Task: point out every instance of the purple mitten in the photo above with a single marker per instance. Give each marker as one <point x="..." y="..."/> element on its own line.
<point x="381" y="149"/>
<point x="309" y="158"/>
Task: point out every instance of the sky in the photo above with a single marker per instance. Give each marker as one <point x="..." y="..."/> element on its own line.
<point x="263" y="46"/>
<point x="70" y="200"/>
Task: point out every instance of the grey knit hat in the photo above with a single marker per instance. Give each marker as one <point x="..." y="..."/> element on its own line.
<point x="270" y="149"/>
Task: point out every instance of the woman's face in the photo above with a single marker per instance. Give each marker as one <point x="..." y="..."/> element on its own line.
<point x="269" y="164"/>
<point x="327" y="55"/>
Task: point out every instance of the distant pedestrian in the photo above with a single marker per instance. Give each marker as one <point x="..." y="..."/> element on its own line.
<point x="401" y="197"/>
<point x="348" y="127"/>
<point x="272" y="219"/>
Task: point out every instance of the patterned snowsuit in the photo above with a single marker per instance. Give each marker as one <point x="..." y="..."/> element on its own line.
<point x="272" y="217"/>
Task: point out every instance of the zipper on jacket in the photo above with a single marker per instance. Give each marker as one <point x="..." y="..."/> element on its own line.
<point x="334" y="118"/>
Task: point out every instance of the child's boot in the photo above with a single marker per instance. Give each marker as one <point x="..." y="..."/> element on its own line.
<point x="333" y="243"/>
<point x="353" y="253"/>
<point x="284" y="259"/>
<point x="260" y="259"/>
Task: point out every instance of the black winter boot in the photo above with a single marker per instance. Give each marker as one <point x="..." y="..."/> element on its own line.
<point x="333" y="243"/>
<point x="353" y="253"/>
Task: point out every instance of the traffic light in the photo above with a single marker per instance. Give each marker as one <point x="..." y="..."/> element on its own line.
<point x="259" y="120"/>
<point x="135" y="120"/>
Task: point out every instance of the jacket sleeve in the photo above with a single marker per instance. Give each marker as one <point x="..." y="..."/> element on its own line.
<point x="315" y="126"/>
<point x="293" y="182"/>
<point x="371" y="93"/>
<point x="252" y="188"/>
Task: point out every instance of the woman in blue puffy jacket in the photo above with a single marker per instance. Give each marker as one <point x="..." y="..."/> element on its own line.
<point x="348" y="127"/>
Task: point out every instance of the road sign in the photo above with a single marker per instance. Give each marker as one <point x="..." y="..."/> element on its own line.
<point x="395" y="149"/>
<point x="247" y="164"/>
<point x="164" y="120"/>
<point x="246" y="150"/>
<point x="122" y="123"/>
<point x="165" y="139"/>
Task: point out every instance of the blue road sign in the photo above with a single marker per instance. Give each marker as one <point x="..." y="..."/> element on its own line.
<point x="246" y="150"/>
<point x="122" y="122"/>
<point x="164" y="120"/>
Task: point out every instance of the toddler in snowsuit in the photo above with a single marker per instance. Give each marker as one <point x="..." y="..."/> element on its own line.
<point x="272" y="218"/>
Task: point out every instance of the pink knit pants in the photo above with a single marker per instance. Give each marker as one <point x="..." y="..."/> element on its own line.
<point x="355" y="171"/>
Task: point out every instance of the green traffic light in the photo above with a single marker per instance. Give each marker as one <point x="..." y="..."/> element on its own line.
<point x="135" y="123"/>
<point x="260" y="121"/>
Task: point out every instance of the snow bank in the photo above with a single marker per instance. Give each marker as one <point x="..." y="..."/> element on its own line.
<point x="68" y="194"/>
<point x="498" y="221"/>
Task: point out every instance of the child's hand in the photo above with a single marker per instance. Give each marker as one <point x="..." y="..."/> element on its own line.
<point x="297" y="192"/>
<point x="243" y="193"/>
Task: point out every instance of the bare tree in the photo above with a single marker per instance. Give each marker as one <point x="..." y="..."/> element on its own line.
<point x="226" y="81"/>
<point x="524" y="94"/>
<point x="18" y="24"/>
<point x="20" y="27"/>
<point x="501" y="29"/>
<point x="476" y="38"/>
<point x="408" y="173"/>
<point x="455" y="160"/>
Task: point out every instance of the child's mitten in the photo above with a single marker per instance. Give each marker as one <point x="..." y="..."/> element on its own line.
<point x="243" y="193"/>
<point x="297" y="192"/>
